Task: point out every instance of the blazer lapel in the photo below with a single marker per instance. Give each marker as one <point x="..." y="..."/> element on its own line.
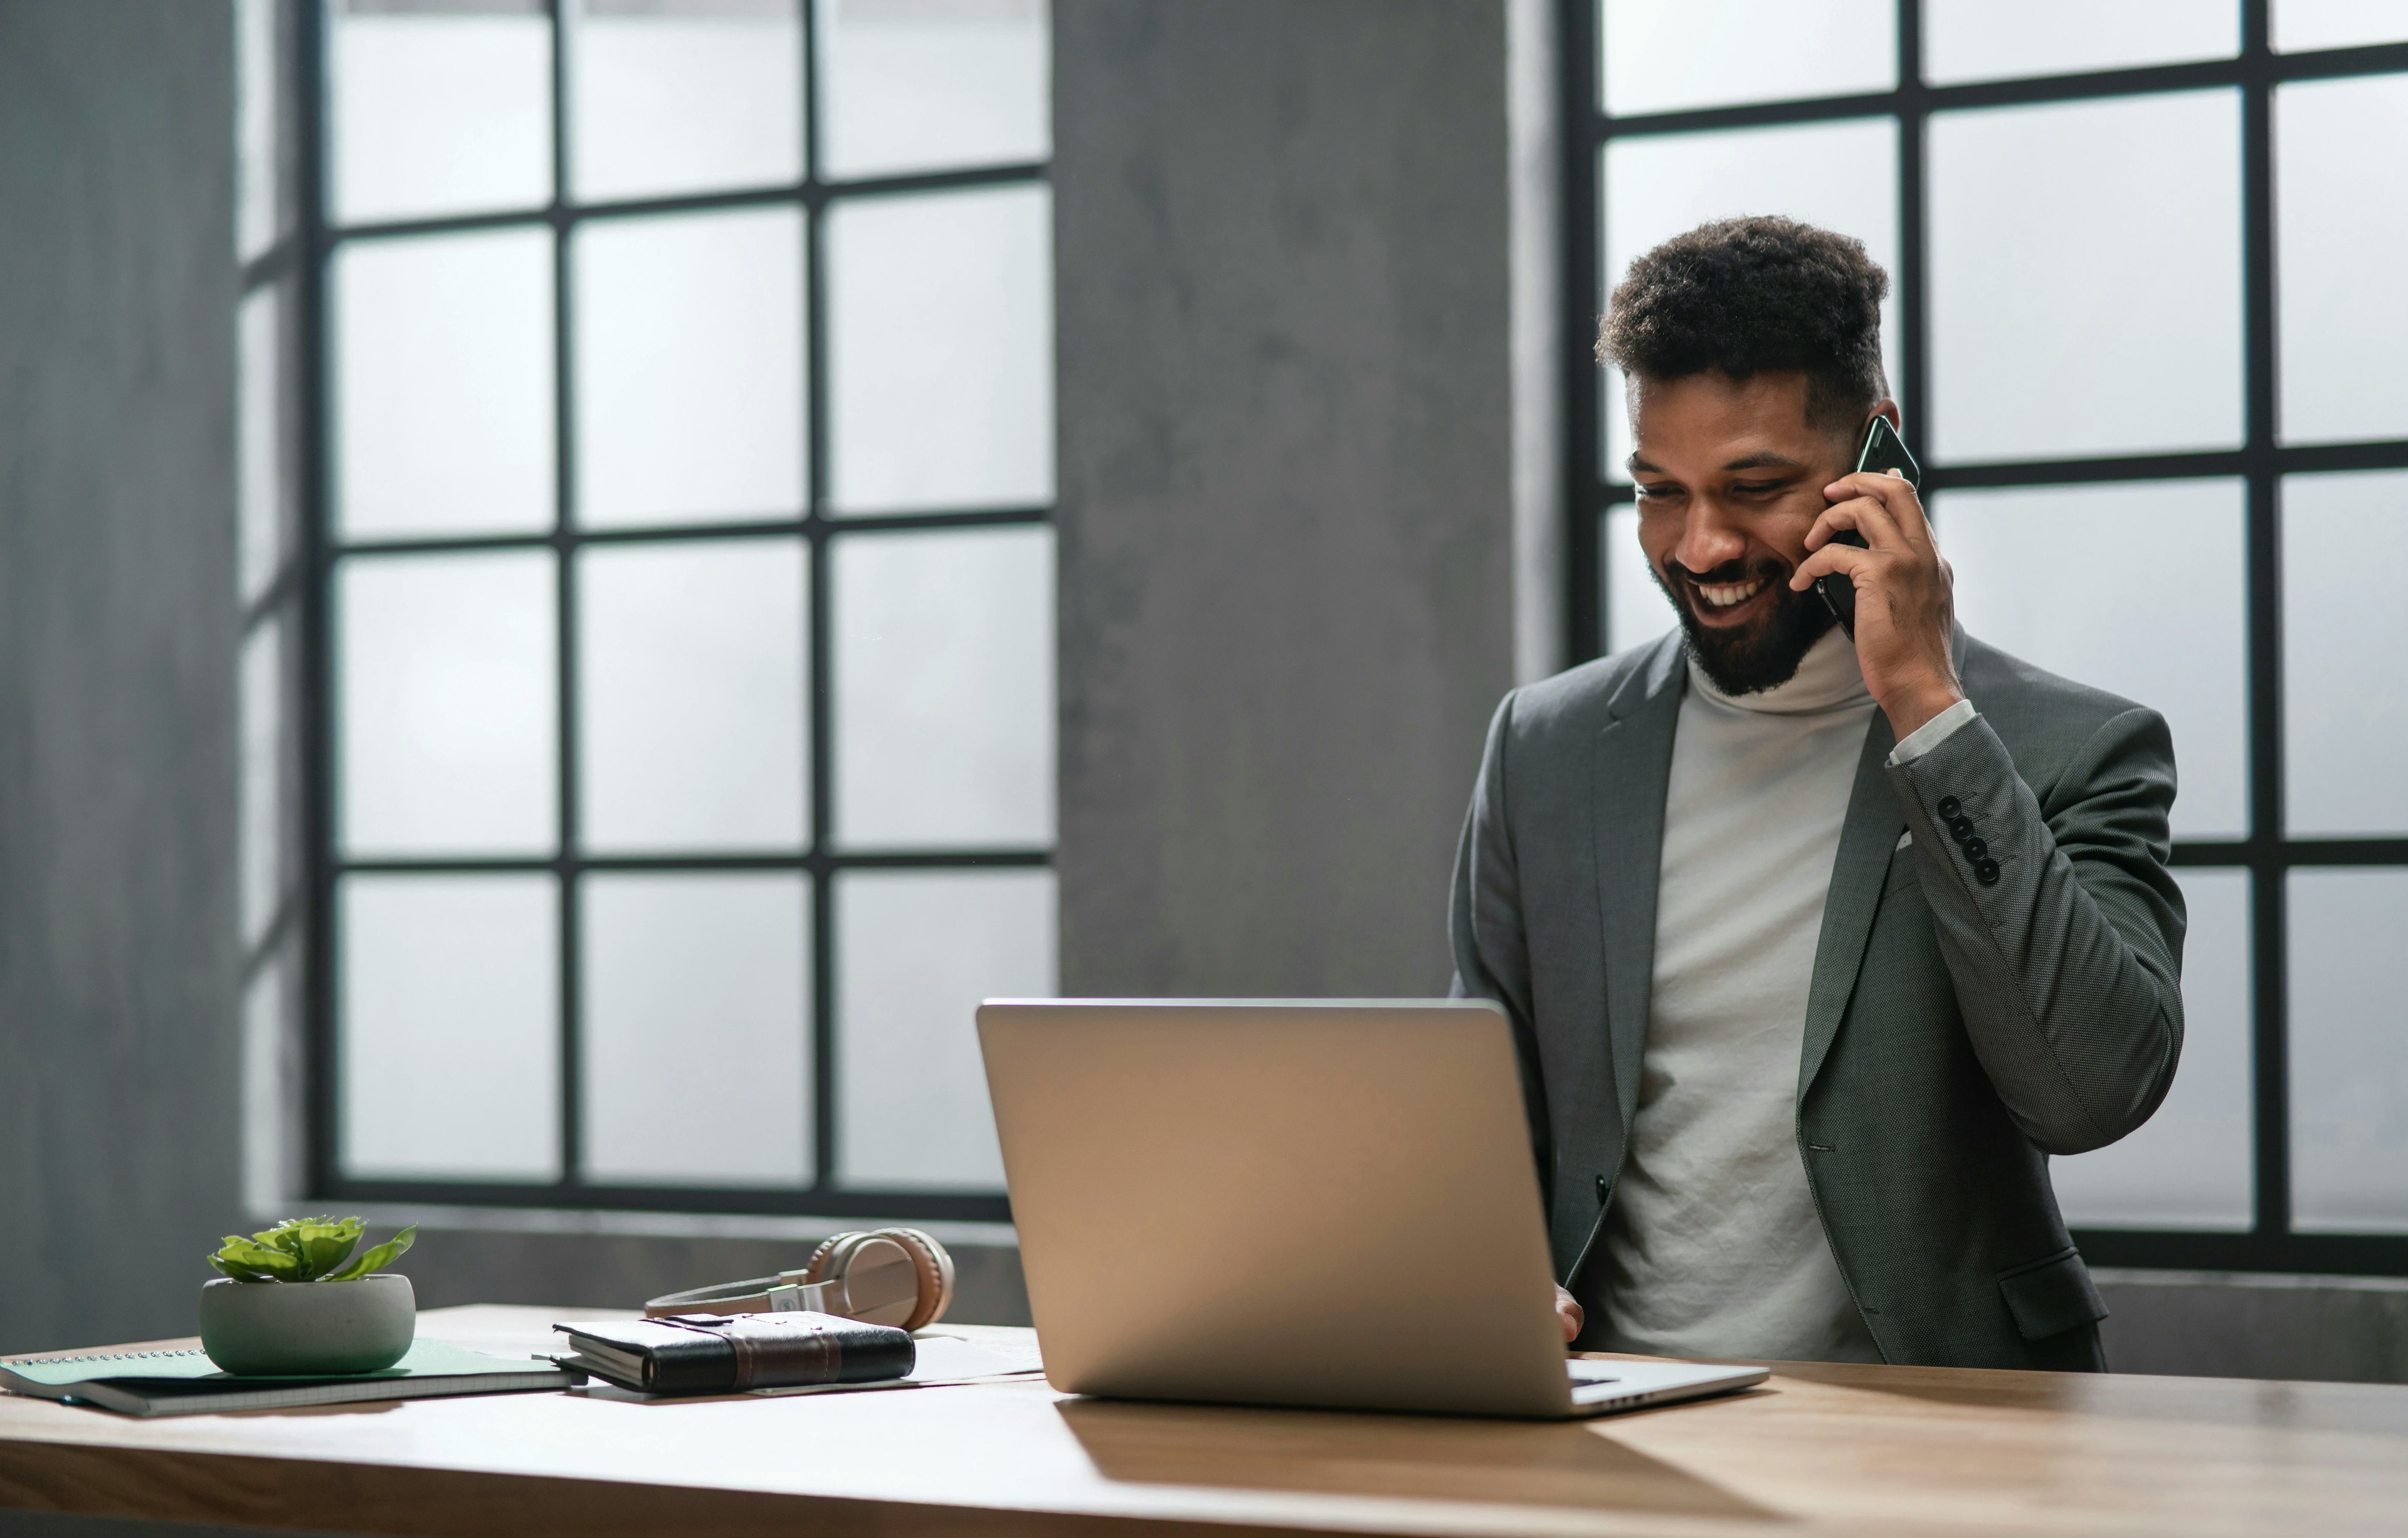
<point x="1634" y="767"/>
<point x="1868" y="839"/>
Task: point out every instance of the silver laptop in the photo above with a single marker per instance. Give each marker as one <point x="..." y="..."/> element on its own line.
<point x="1290" y="1203"/>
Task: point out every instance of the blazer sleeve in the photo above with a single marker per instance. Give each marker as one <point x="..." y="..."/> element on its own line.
<point x="2067" y="959"/>
<point x="1492" y="959"/>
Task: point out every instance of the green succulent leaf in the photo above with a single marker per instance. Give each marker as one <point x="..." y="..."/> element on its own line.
<point x="248" y="1261"/>
<point x="373" y="1261"/>
<point x="303" y="1249"/>
<point x="324" y="1245"/>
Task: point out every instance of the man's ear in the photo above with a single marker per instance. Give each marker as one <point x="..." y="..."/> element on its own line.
<point x="1888" y="407"/>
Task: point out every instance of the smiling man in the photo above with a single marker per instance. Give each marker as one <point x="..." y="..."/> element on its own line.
<point x="1814" y="948"/>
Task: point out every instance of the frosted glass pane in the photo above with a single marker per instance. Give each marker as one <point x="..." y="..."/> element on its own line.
<point x="2176" y="642"/>
<point x="940" y="350"/>
<point x="1983" y="40"/>
<point x="447" y="713"/>
<point x="696" y="1049"/>
<point x="450" y="1050"/>
<point x="263" y="205"/>
<point x="1636" y="609"/>
<point x="2344" y="713"/>
<point x="2300" y="26"/>
<point x="944" y="688"/>
<point x="680" y="95"/>
<point x="274" y="1113"/>
<point x="2349" y="1053"/>
<point x="2126" y="340"/>
<point x="1662" y="55"/>
<point x="2191" y="1165"/>
<point x="440" y="109"/>
<point x="263" y="443"/>
<point x="2340" y="227"/>
<point x="261" y="863"/>
<point x="1842" y="176"/>
<point x="917" y="951"/>
<point x="690" y="367"/>
<point x="691" y="726"/>
<point x="443" y="384"/>
<point x="909" y="85"/>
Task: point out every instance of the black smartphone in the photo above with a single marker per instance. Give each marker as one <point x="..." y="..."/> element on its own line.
<point x="1882" y="453"/>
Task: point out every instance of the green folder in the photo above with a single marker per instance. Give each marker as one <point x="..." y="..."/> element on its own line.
<point x="183" y="1382"/>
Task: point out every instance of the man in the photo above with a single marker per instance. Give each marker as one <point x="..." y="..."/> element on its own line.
<point x="1814" y="949"/>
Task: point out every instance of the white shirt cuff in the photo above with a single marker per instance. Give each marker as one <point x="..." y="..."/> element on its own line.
<point x="1939" y="729"/>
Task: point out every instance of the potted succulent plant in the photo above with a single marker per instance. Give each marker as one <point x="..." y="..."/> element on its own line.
<point x="294" y="1302"/>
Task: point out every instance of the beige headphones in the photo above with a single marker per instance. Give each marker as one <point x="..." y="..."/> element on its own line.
<point x="886" y="1276"/>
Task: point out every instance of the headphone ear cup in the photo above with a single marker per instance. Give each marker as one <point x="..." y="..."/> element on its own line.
<point x="935" y="1265"/>
<point x="816" y="1268"/>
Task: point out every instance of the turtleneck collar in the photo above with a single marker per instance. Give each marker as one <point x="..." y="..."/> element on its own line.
<point x="1827" y="678"/>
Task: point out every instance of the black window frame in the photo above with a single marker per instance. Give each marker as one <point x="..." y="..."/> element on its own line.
<point x="305" y="589"/>
<point x="2267" y="855"/>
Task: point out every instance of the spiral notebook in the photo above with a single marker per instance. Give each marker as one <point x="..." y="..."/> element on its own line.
<point x="182" y="1381"/>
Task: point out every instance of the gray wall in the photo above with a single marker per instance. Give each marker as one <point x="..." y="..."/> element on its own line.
<point x="1285" y="498"/>
<point x="118" y="1125"/>
<point x="2227" y="1324"/>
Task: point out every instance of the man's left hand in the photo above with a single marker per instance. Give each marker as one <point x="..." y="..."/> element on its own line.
<point x="1905" y="607"/>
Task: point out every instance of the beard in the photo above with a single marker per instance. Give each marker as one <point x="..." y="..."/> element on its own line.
<point x="1763" y="653"/>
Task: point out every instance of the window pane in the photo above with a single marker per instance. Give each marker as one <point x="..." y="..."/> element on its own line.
<point x="2349" y="1056"/>
<point x="440" y="106"/>
<point x="443" y="384"/>
<point x="263" y="205"/>
<point x="450" y="1051"/>
<point x="2300" y="26"/>
<point x="2176" y="642"/>
<point x="263" y="461"/>
<point x="691" y="712"/>
<point x="448" y="709"/>
<point x="909" y="85"/>
<point x="1842" y="175"/>
<point x="2126" y="339"/>
<point x="690" y="367"/>
<point x="1636" y="609"/>
<point x="2343" y="309"/>
<point x="916" y="953"/>
<point x="695" y="1056"/>
<point x="680" y="95"/>
<point x="2191" y="1165"/>
<point x="941" y="351"/>
<point x="273" y="1108"/>
<point x="1983" y="40"/>
<point x="1655" y="57"/>
<point x="2344" y="720"/>
<point x="944" y="688"/>
<point x="261" y="863"/>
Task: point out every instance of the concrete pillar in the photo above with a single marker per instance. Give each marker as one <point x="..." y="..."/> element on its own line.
<point x="119" y="1122"/>
<point x="1286" y="482"/>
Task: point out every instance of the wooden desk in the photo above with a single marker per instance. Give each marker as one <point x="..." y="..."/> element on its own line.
<point x="1819" y="1449"/>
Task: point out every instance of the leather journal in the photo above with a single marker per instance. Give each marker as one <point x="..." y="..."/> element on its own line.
<point x="723" y="1353"/>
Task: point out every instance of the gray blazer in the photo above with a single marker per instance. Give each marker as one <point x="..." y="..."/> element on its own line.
<point x="1957" y="1032"/>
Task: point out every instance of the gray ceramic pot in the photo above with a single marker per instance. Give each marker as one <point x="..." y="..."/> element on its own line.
<point x="305" y="1328"/>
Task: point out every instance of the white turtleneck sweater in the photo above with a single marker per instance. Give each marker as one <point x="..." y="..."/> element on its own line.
<point x="1712" y="1247"/>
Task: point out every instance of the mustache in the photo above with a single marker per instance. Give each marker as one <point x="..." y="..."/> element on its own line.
<point x="1734" y="571"/>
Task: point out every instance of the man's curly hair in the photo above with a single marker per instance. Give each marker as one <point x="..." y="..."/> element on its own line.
<point x="1755" y="295"/>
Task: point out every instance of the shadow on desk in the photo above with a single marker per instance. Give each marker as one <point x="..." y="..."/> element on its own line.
<point x="1522" y="1463"/>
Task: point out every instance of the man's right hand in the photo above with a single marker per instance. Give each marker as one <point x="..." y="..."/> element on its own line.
<point x="1568" y="1313"/>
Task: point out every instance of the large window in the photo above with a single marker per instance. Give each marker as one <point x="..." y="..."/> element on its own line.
<point x="648" y="441"/>
<point x="2145" y="314"/>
